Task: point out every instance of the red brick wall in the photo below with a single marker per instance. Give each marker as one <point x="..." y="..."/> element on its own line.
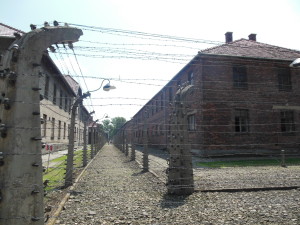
<point x="214" y="102"/>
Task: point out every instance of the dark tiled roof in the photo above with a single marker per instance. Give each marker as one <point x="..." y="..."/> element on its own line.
<point x="73" y="84"/>
<point x="253" y="49"/>
<point x="8" y="31"/>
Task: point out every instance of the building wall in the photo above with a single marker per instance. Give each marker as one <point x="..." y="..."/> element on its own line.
<point x="55" y="109"/>
<point x="221" y="101"/>
<point x="55" y="113"/>
<point x="216" y="101"/>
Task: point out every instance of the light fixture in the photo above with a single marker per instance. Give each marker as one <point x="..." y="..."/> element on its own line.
<point x="108" y="87"/>
<point x="295" y="63"/>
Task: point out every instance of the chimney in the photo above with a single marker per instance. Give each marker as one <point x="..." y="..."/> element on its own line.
<point x="252" y="37"/>
<point x="228" y="37"/>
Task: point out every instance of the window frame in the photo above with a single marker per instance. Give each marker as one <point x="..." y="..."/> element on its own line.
<point x="241" y="121"/>
<point x="53" y="128"/>
<point x="240" y="77"/>
<point x="287" y="122"/>
<point x="54" y="93"/>
<point x="47" y="83"/>
<point x="191" y="120"/>
<point x="191" y="78"/>
<point x="284" y="79"/>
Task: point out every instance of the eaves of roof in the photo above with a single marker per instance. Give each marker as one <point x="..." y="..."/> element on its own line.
<point x="8" y="31"/>
<point x="174" y="78"/>
<point x="200" y="54"/>
<point x="60" y="76"/>
<point x="239" y="49"/>
<point x="252" y="49"/>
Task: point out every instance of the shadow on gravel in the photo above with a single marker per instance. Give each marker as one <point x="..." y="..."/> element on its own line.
<point x="173" y="201"/>
<point x="155" y="152"/>
<point x="139" y="173"/>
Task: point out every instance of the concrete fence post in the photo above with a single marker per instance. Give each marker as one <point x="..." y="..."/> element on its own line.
<point x="283" y="163"/>
<point x="132" y="152"/>
<point x="84" y="151"/>
<point x="126" y="147"/>
<point x="92" y="142"/>
<point x="180" y="171"/>
<point x="21" y="172"/>
<point x="145" y="150"/>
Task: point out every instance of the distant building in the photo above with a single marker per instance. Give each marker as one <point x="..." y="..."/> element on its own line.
<point x="246" y="101"/>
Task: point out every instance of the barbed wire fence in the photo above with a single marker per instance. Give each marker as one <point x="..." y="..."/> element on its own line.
<point x="143" y="134"/>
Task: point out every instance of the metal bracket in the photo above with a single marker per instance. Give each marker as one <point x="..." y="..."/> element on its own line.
<point x="6" y="103"/>
<point x="12" y="78"/>
<point x="1" y="160"/>
<point x="3" y="130"/>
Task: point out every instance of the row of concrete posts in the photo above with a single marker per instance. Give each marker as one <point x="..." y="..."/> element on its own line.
<point x="180" y="172"/>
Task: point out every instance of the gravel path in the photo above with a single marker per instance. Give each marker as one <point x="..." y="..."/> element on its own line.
<point x="114" y="191"/>
<point x="228" y="178"/>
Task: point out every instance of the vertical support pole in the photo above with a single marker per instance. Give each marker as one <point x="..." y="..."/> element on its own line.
<point x="70" y="156"/>
<point x="21" y="173"/>
<point x="133" y="152"/>
<point x="84" y="153"/>
<point x="283" y="164"/>
<point x="92" y="142"/>
<point x="123" y="142"/>
<point x="97" y="140"/>
<point x="126" y="147"/>
<point x="180" y="171"/>
<point x="145" y="150"/>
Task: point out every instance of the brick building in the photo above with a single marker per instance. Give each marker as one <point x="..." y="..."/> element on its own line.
<point x="57" y="96"/>
<point x="245" y="101"/>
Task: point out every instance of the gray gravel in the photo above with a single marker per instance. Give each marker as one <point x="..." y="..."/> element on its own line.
<point x="115" y="191"/>
<point x="228" y="178"/>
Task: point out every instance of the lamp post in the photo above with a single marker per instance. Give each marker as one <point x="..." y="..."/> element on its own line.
<point x="93" y="139"/>
<point x="84" y="157"/>
<point x="70" y="156"/>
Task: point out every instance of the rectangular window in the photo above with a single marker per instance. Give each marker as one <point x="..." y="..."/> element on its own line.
<point x="59" y="129"/>
<point x="287" y="122"/>
<point x="44" y="125"/>
<point x="191" y="122"/>
<point x="64" y="131"/>
<point x="60" y="99"/>
<point x="239" y="77"/>
<point x="46" y="94"/>
<point x="153" y="108"/>
<point x="52" y="128"/>
<point x="191" y="78"/>
<point x="69" y="105"/>
<point x="241" y="120"/>
<point x="178" y="83"/>
<point x="79" y="134"/>
<point x="66" y="103"/>
<point x="170" y="94"/>
<point x="161" y="129"/>
<point x="284" y="79"/>
<point x="162" y="101"/>
<point x="54" y="93"/>
<point x="156" y="107"/>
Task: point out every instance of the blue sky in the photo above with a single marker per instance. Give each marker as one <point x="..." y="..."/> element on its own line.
<point x="275" y="22"/>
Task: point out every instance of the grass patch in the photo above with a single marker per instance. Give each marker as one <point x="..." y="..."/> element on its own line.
<point x="246" y="163"/>
<point x="56" y="174"/>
